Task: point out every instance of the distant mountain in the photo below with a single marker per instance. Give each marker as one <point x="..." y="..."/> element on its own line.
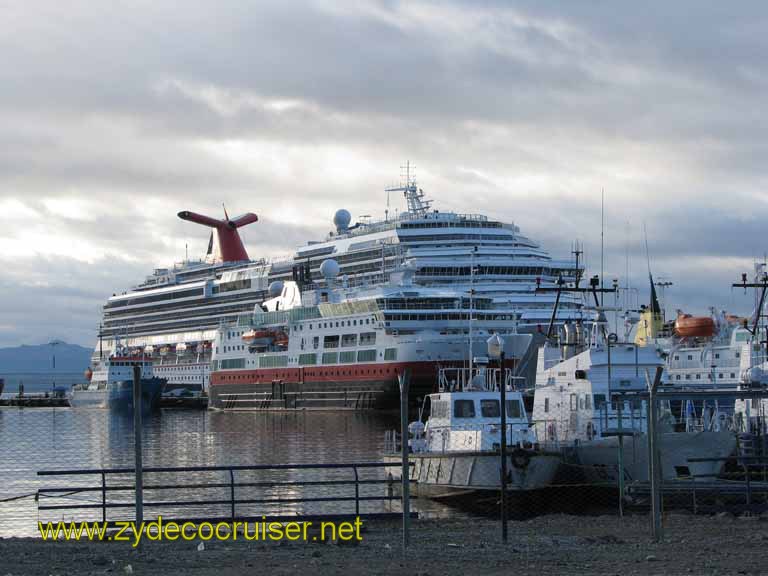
<point x="39" y="358"/>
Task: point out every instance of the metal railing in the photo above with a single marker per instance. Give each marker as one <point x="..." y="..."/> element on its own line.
<point x="232" y="486"/>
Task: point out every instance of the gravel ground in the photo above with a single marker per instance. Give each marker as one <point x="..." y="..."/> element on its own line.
<point x="546" y="545"/>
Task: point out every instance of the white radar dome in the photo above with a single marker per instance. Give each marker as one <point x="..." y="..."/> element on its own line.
<point x="341" y="219"/>
<point x="329" y="268"/>
<point x="275" y="288"/>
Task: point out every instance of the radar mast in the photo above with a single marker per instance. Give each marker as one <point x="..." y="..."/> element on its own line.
<point x="418" y="205"/>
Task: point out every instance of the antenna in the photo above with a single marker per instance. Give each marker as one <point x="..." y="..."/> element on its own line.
<point x="418" y="205"/>
<point x="602" y="242"/>
<point x="647" y="254"/>
<point x="577" y="252"/>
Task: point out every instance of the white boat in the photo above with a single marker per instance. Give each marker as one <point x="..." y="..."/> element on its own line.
<point x="576" y="409"/>
<point x="343" y="348"/>
<point x="456" y="453"/>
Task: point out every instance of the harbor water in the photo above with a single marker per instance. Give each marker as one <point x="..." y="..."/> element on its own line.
<point x="66" y="438"/>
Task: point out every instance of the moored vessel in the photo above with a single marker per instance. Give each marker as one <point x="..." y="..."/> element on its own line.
<point x="111" y="386"/>
<point x="455" y="454"/>
<point x="343" y="348"/>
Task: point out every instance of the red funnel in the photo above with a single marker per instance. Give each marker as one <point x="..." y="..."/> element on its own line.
<point x="230" y="244"/>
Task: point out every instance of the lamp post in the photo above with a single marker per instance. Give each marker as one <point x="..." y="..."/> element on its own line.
<point x="496" y="350"/>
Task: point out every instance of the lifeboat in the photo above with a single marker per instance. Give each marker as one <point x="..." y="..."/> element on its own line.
<point x="149" y="350"/>
<point x="687" y="326"/>
<point x="164" y="350"/>
<point x="88" y="374"/>
<point x="181" y="348"/>
<point x="281" y="339"/>
<point x="260" y="338"/>
<point x="207" y="344"/>
<point x="199" y="349"/>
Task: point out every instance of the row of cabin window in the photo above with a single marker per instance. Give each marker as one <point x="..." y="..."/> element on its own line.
<point x="698" y="376"/>
<point x="347" y="340"/>
<point x="338" y="323"/>
<point x="477" y="315"/>
<point x="310" y="359"/>
<point x="717" y="355"/>
<point x="466" y="409"/>
<point x="356" y="372"/>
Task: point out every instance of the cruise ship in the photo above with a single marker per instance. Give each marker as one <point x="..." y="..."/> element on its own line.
<point x="342" y="348"/>
<point x="173" y="315"/>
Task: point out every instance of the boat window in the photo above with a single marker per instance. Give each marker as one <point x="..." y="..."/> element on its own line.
<point x="490" y="408"/>
<point x="349" y="340"/>
<point x="574" y="401"/>
<point x="546" y="404"/>
<point x="588" y="402"/>
<point x="464" y="409"/>
<point x="599" y="400"/>
<point x="331" y="342"/>
<point x="367" y="338"/>
<point x="514" y="410"/>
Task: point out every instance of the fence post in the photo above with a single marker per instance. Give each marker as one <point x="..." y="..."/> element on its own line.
<point x="232" y="493"/>
<point x="654" y="471"/>
<point x="103" y="497"/>
<point x="404" y="381"/>
<point x="137" y="444"/>
<point x="621" y="455"/>
<point x="503" y="449"/>
<point x="357" y="492"/>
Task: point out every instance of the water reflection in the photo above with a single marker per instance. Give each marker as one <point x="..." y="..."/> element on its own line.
<point x="57" y="439"/>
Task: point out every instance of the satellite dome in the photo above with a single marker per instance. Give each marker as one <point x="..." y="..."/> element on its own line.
<point x="341" y="220"/>
<point x="276" y="288"/>
<point x="329" y="268"/>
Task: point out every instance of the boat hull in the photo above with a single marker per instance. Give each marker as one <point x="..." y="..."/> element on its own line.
<point x="118" y="396"/>
<point x="464" y="473"/>
<point x="358" y="387"/>
<point x="599" y="458"/>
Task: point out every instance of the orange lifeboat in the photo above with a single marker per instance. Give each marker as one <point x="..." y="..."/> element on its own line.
<point x="687" y="326"/>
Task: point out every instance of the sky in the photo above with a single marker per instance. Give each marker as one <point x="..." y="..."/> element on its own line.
<point x="114" y="116"/>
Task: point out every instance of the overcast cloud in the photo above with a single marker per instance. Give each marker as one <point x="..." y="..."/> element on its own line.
<point x="117" y="115"/>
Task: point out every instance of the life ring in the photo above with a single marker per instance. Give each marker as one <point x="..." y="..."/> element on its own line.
<point x="521" y="458"/>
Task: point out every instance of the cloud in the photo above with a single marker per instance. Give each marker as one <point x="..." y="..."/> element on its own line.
<point x="116" y="117"/>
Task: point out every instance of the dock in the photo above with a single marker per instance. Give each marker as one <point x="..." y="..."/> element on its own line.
<point x="35" y="401"/>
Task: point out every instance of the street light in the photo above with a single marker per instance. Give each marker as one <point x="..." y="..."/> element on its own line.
<point x="496" y="350"/>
